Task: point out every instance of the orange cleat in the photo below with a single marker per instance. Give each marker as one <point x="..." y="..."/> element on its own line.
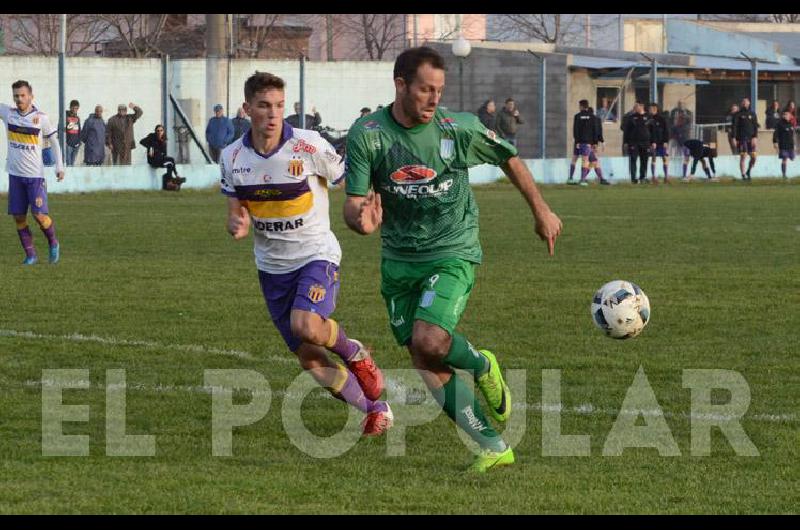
<point x="367" y="373"/>
<point x="378" y="421"/>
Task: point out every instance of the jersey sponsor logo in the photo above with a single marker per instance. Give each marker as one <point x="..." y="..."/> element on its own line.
<point x="295" y="167"/>
<point x="241" y="170"/>
<point x="448" y="122"/>
<point x="278" y="226"/>
<point x="266" y="178"/>
<point x="305" y="147"/>
<point x="417" y="174"/>
<point x="331" y="155"/>
<point x="235" y="154"/>
<point x="316" y="293"/>
<point x="419" y="191"/>
<point x="372" y="125"/>
<point x="447" y="148"/>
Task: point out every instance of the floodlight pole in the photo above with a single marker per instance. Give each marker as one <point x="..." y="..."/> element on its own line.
<point x="542" y="101"/>
<point x="62" y="89"/>
<point x="753" y="80"/>
<point x="653" y="77"/>
<point x="302" y="91"/>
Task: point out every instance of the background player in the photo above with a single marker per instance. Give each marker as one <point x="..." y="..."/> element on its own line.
<point x="659" y="141"/>
<point x="745" y="127"/>
<point x="699" y="152"/>
<point x="276" y="175"/>
<point x="783" y="138"/>
<point x="594" y="157"/>
<point x="414" y="155"/>
<point x="584" y="134"/>
<point x="27" y="127"/>
<point x="636" y="136"/>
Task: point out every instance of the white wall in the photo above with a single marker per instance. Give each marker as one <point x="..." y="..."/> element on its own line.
<point x="337" y="89"/>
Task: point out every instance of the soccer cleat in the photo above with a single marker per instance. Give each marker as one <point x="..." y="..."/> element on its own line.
<point x="571" y="182"/>
<point x="605" y="182"/>
<point x="583" y="183"/>
<point x="30" y="260"/>
<point x="367" y="373"/>
<point x="487" y="460"/>
<point x="378" y="422"/>
<point x="494" y="389"/>
<point x="55" y="253"/>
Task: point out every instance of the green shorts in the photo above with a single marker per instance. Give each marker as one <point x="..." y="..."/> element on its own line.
<point x="433" y="291"/>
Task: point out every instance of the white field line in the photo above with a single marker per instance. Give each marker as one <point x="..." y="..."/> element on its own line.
<point x="190" y="348"/>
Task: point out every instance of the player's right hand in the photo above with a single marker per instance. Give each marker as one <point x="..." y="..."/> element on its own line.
<point x="239" y="226"/>
<point x="370" y="214"/>
<point x="548" y="227"/>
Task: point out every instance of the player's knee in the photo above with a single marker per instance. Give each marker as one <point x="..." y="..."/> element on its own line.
<point x="429" y="347"/>
<point x="308" y="327"/>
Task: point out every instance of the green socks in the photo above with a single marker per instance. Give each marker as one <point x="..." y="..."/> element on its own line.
<point x="464" y="356"/>
<point x="461" y="405"/>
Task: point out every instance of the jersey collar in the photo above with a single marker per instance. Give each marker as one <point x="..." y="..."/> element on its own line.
<point x="286" y="134"/>
<point x="413" y="130"/>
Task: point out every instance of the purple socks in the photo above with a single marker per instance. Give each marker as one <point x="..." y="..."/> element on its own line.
<point x="26" y="238"/>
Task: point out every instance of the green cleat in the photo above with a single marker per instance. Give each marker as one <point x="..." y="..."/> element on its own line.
<point x="494" y="389"/>
<point x="489" y="459"/>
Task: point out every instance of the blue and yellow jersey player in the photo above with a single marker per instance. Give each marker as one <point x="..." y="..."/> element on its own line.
<point x="275" y="178"/>
<point x="27" y="127"/>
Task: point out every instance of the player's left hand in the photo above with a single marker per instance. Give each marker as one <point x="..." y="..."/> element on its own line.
<point x="548" y="227"/>
<point x="59" y="176"/>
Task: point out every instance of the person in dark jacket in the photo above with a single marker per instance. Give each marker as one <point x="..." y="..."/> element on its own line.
<point x="119" y="131"/>
<point x="745" y="127"/>
<point x="313" y="120"/>
<point x="93" y="136"/>
<point x="699" y="152"/>
<point x="731" y="117"/>
<point x="783" y="138"/>
<point x="156" y="145"/>
<point x="240" y="124"/>
<point x="637" y="137"/>
<point x="72" y="132"/>
<point x="659" y="141"/>
<point x="219" y="132"/>
<point x="773" y="115"/>
<point x="508" y="121"/>
<point x="584" y="133"/>
<point x="488" y="115"/>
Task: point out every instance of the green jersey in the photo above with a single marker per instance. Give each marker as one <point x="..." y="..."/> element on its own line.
<point x="429" y="211"/>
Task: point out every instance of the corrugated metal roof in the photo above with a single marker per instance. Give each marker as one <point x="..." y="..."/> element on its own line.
<point x="721" y="63"/>
<point x="789" y="42"/>
<point x="584" y="61"/>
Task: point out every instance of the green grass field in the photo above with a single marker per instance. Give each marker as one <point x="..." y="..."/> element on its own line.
<point x="151" y="283"/>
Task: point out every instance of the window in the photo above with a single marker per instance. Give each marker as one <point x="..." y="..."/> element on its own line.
<point x="604" y="108"/>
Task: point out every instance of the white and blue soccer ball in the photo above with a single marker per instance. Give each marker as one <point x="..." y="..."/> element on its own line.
<point x="620" y="309"/>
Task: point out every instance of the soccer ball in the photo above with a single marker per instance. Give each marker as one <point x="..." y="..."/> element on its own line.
<point x="620" y="309"/>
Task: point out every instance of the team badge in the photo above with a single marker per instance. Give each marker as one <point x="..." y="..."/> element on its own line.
<point x="39" y="202"/>
<point x="491" y="134"/>
<point x="316" y="293"/>
<point x="372" y="125"/>
<point x="446" y="148"/>
<point x="295" y="167"/>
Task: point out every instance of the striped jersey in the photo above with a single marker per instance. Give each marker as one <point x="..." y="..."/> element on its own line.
<point x="286" y="193"/>
<point x="26" y="133"/>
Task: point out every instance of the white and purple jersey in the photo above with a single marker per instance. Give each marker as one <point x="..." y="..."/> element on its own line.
<point x="26" y="133"/>
<point x="286" y="194"/>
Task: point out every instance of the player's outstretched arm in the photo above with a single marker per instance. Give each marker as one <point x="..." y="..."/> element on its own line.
<point x="238" y="219"/>
<point x="363" y="214"/>
<point x="548" y="225"/>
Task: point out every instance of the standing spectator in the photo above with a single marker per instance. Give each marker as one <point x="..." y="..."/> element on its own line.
<point x="119" y="133"/>
<point x="637" y="137"/>
<point x="313" y="120"/>
<point x="72" y="130"/>
<point x="783" y="138"/>
<point x="488" y="115"/>
<point x="773" y="114"/>
<point x="659" y="141"/>
<point x="240" y="124"/>
<point x="604" y="112"/>
<point x="584" y="134"/>
<point x="792" y="108"/>
<point x="219" y="132"/>
<point x="731" y="117"/>
<point x="364" y="112"/>
<point x="624" y="123"/>
<point x="681" y="123"/>
<point x="508" y="121"/>
<point x="156" y="145"/>
<point x="93" y="136"/>
<point x="745" y="127"/>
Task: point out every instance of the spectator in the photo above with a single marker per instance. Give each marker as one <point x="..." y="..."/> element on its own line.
<point x="792" y="108"/>
<point x="659" y="141"/>
<point x="508" y="121"/>
<point x="681" y="120"/>
<point x="219" y="133"/>
<point x="119" y="133"/>
<point x="240" y="124"/>
<point x="637" y="137"/>
<point x="93" y="136"/>
<point x="624" y="123"/>
<point x="745" y="128"/>
<point x="604" y="112"/>
<point x="313" y="120"/>
<point x="365" y="111"/>
<point x="731" y="116"/>
<point x="72" y="132"/>
<point x="156" y="145"/>
<point x="773" y="114"/>
<point x="488" y="115"/>
<point x="783" y="138"/>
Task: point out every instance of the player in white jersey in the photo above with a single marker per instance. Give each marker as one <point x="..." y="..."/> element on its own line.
<point x="26" y="128"/>
<point x="276" y="177"/>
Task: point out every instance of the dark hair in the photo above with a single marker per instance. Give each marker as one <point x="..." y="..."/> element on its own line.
<point x="408" y="62"/>
<point x="155" y="131"/>
<point x="260" y="81"/>
<point x="584" y="103"/>
<point x="74" y="103"/>
<point x="591" y="110"/>
<point x="653" y="104"/>
<point x="20" y="84"/>
<point x="510" y="99"/>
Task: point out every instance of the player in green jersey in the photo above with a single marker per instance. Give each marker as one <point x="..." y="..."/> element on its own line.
<point x="407" y="172"/>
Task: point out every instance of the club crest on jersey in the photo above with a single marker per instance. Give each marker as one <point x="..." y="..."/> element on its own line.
<point x="316" y="293"/>
<point x="371" y="125"/>
<point x="295" y="167"/>
<point x="413" y="174"/>
<point x="447" y="148"/>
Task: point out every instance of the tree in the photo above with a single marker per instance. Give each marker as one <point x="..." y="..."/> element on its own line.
<point x="551" y="28"/>
<point x="375" y="35"/>
<point x="137" y="33"/>
<point x="40" y="34"/>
